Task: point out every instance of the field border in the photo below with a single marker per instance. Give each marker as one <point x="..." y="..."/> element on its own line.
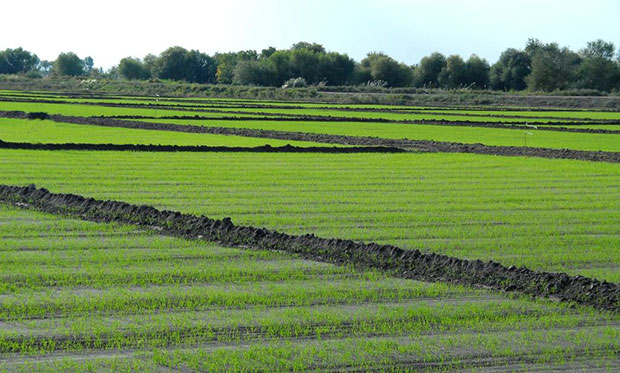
<point x="415" y="145"/>
<point x="217" y="108"/>
<point x="410" y="264"/>
<point x="200" y="148"/>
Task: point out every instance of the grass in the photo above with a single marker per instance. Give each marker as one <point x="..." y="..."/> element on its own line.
<point x="81" y="296"/>
<point x="317" y="106"/>
<point x="87" y="107"/>
<point x="614" y="127"/>
<point x="555" y="215"/>
<point x="107" y="296"/>
<point x="471" y="135"/>
<point x="448" y="115"/>
<point x="86" y="110"/>
<point x="570" y="114"/>
<point x="487" y="136"/>
<point x="46" y="131"/>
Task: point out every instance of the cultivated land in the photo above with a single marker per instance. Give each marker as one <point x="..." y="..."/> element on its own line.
<point x="467" y="206"/>
<point x="49" y="132"/>
<point x="80" y="295"/>
<point x="471" y="135"/>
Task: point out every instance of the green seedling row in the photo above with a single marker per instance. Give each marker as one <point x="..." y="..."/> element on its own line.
<point x="471" y="135"/>
<point x="556" y="215"/>
<point x="266" y="309"/>
<point x="46" y="131"/>
<point x="84" y="296"/>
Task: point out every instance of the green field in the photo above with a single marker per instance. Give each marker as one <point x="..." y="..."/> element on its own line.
<point x="46" y="131"/>
<point x="470" y="135"/>
<point x="80" y="295"/>
<point x="84" y="296"/>
<point x="545" y="214"/>
<point x="96" y="110"/>
<point x="81" y="108"/>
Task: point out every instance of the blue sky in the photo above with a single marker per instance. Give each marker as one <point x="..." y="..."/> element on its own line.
<point x="406" y="30"/>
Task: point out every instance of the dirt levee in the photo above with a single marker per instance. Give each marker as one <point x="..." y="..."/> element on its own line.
<point x="411" y="264"/>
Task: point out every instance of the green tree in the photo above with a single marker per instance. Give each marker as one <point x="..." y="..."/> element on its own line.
<point x="477" y="72"/>
<point x="532" y="46"/>
<point x="313" y="47"/>
<point x="68" y="64"/>
<point x="454" y="73"/>
<point x="361" y="74"/>
<point x="281" y="61"/>
<point x="598" y="70"/>
<point x="112" y="73"/>
<point x="45" y="67"/>
<point x="381" y="67"/>
<point x="305" y="63"/>
<point x="200" y="68"/>
<point x="251" y="72"/>
<point x="15" y="61"/>
<point x="88" y="65"/>
<point x="335" y="68"/>
<point x="427" y="72"/>
<point x="133" y="68"/>
<point x="151" y="63"/>
<point x="393" y="73"/>
<point x="509" y="72"/>
<point x="553" y="68"/>
<point x="171" y="63"/>
<point x="178" y="63"/>
<point x="267" y="52"/>
<point x="226" y="63"/>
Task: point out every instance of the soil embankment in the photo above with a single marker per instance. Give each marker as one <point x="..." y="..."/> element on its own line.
<point x="200" y="148"/>
<point x="417" y="145"/>
<point x="411" y="264"/>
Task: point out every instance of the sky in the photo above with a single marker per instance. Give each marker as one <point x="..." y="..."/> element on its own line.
<point x="406" y="30"/>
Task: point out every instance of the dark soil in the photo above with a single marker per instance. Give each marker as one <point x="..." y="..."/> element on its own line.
<point x="202" y="149"/>
<point x="513" y="125"/>
<point x="539" y="120"/>
<point x="328" y="94"/>
<point x="419" y="145"/>
<point x="545" y="126"/>
<point x="411" y="264"/>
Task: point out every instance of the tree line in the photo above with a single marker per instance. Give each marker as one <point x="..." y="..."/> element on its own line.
<point x="537" y="67"/>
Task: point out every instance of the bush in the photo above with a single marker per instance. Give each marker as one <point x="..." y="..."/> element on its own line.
<point x="33" y="74"/>
<point x="377" y="84"/>
<point x="69" y="64"/>
<point x="131" y="68"/>
<point x="578" y="92"/>
<point x="295" y="83"/>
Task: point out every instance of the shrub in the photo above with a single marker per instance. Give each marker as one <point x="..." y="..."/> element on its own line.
<point x="295" y="83"/>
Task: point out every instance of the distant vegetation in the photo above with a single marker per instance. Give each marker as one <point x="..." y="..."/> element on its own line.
<point x="538" y="67"/>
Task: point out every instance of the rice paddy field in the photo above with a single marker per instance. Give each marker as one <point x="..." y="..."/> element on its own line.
<point x="79" y="295"/>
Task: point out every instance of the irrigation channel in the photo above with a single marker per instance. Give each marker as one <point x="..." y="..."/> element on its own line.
<point x="410" y="264"/>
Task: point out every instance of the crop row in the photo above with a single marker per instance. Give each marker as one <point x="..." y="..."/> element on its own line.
<point x="556" y="215"/>
<point x="376" y="111"/>
<point x="37" y="131"/>
<point x="490" y="351"/>
<point x="111" y="110"/>
<point x="276" y="323"/>
<point x="418" y="145"/>
<point x="394" y="260"/>
<point x="468" y="135"/>
<point x="248" y="103"/>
